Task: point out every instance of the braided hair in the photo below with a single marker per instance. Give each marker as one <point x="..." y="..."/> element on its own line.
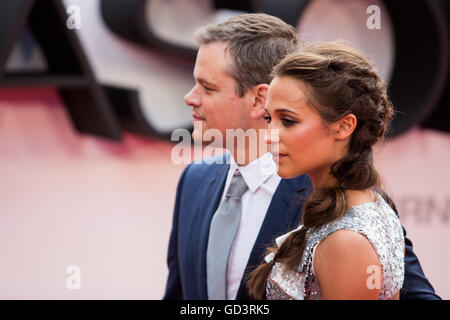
<point x="338" y="81"/>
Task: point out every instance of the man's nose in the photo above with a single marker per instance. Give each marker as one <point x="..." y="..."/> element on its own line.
<point x="192" y="99"/>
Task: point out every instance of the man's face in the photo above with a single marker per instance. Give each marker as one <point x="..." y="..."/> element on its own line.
<point x="214" y="98"/>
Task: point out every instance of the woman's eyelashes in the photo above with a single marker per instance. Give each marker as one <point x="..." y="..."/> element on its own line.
<point x="285" y="121"/>
<point x="288" y="122"/>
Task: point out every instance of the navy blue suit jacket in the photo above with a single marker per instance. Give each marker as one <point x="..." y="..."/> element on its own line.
<point x="198" y="195"/>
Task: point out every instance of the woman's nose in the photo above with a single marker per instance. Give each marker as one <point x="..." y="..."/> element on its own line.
<point x="272" y="136"/>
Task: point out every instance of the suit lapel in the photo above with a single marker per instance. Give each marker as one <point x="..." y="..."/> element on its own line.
<point x="284" y="214"/>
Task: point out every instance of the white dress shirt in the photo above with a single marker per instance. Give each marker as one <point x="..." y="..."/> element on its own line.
<point x="262" y="181"/>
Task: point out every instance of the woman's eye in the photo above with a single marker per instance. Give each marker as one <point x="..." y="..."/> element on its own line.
<point x="267" y="118"/>
<point x="288" y="122"/>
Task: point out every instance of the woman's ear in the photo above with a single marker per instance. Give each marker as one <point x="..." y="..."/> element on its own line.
<point x="345" y="126"/>
<point x="259" y="102"/>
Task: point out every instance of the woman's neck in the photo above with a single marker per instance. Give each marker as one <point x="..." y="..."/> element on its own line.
<point x="356" y="197"/>
<point x="322" y="178"/>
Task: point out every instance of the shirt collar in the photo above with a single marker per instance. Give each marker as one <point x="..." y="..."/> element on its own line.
<point x="256" y="172"/>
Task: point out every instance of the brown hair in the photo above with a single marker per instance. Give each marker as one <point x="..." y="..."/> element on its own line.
<point x="256" y="42"/>
<point x="338" y="81"/>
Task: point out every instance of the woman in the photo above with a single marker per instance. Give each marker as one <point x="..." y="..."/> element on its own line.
<point x="330" y="107"/>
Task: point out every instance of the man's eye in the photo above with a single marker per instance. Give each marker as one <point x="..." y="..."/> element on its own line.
<point x="288" y="122"/>
<point x="267" y="118"/>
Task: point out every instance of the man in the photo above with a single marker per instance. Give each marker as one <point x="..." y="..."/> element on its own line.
<point x="227" y="214"/>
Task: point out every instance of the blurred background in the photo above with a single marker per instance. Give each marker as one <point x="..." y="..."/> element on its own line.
<point x="91" y="90"/>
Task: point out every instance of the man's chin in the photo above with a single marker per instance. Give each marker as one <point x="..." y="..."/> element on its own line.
<point x="197" y="136"/>
<point x="211" y="137"/>
<point x="199" y="132"/>
<point x="199" y="139"/>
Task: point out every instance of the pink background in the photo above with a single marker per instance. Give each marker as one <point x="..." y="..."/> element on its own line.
<point x="69" y="199"/>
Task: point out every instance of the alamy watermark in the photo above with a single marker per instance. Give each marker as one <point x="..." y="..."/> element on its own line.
<point x="374" y="20"/>
<point x="248" y="144"/>
<point x="74" y="19"/>
<point x="73" y="281"/>
<point x="374" y="280"/>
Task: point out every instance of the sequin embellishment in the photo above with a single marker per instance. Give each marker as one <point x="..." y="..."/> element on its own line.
<point x="376" y="221"/>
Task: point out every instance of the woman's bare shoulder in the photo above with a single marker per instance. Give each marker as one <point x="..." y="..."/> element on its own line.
<point x="342" y="265"/>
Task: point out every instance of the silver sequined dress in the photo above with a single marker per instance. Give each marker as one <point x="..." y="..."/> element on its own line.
<point x="376" y="221"/>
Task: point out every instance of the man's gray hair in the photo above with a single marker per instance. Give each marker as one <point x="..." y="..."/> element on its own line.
<point x="256" y="42"/>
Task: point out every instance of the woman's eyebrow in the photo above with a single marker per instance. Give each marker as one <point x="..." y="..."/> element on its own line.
<point x="285" y="110"/>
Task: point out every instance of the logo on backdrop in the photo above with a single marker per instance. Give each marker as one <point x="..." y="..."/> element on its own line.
<point x="106" y="111"/>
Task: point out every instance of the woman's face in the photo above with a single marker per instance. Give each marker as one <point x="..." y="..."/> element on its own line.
<point x="305" y="144"/>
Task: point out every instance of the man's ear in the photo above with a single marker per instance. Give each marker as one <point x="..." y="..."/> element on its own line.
<point x="259" y="100"/>
<point x="345" y="126"/>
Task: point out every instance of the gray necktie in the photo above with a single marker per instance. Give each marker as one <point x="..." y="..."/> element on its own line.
<point x="222" y="231"/>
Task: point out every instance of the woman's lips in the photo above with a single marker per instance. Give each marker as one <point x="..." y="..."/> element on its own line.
<point x="278" y="156"/>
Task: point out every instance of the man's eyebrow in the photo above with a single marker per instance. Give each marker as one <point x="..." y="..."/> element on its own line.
<point x="204" y="81"/>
